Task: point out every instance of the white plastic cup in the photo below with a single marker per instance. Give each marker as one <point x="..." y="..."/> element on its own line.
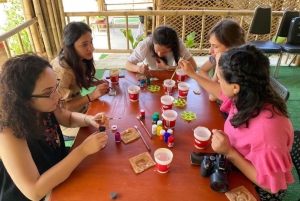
<point x="166" y="102"/>
<point x="163" y="158"/>
<point x="169" y="86"/>
<point x="201" y="137"/>
<point x="183" y="89"/>
<point x="169" y="118"/>
<point x="180" y="75"/>
<point x="134" y="92"/>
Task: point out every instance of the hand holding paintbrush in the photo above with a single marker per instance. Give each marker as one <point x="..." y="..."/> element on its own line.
<point x="176" y="67"/>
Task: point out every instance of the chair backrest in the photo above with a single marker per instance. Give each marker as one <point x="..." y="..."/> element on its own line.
<point x="261" y="21"/>
<point x="295" y="153"/>
<point x="294" y="32"/>
<point x="284" y="26"/>
<point x="280" y="89"/>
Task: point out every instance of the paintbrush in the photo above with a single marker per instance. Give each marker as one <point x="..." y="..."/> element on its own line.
<point x="110" y="118"/>
<point x="176" y="68"/>
<point x="144" y="127"/>
<point x="142" y="138"/>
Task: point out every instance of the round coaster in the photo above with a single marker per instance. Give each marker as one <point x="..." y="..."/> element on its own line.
<point x="153" y="88"/>
<point x="180" y="102"/>
<point x="188" y="116"/>
<point x="114" y="127"/>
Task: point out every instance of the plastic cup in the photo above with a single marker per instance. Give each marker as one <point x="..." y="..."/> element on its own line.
<point x="163" y="158"/>
<point x="169" y="86"/>
<point x="134" y="92"/>
<point x="114" y="75"/>
<point x="169" y="118"/>
<point x="202" y="135"/>
<point x="183" y="89"/>
<point x="166" y="102"/>
<point x="180" y="75"/>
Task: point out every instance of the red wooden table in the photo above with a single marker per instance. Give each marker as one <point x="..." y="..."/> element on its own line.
<point x="109" y="170"/>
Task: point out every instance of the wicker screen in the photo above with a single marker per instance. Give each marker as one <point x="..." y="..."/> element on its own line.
<point x="195" y="22"/>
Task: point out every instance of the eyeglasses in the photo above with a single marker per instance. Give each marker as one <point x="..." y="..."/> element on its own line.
<point x="52" y="93"/>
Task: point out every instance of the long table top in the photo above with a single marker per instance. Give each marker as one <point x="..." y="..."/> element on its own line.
<point x="109" y="170"/>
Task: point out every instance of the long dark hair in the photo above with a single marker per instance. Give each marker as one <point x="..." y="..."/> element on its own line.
<point x="166" y="36"/>
<point x="72" y="32"/>
<point x="18" y="78"/>
<point x="228" y="32"/>
<point x="248" y="67"/>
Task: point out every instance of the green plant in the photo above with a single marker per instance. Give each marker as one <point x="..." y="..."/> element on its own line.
<point x="131" y="39"/>
<point x="14" y="15"/>
<point x="190" y="40"/>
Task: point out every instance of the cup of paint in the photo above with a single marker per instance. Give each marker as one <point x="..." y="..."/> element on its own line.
<point x="169" y="86"/>
<point x="169" y="118"/>
<point x="114" y="75"/>
<point x="163" y="158"/>
<point x="134" y="92"/>
<point x="201" y="137"/>
<point x="183" y="89"/>
<point x="180" y="75"/>
<point x="166" y="102"/>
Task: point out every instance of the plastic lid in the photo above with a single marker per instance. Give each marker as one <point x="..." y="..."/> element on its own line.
<point x="159" y="122"/>
<point x="162" y="132"/>
<point x="171" y="139"/>
<point x="114" y="127"/>
<point x="113" y="195"/>
<point x="170" y="131"/>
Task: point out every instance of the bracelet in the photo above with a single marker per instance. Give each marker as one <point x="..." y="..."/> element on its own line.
<point x="88" y="97"/>
<point x="85" y="120"/>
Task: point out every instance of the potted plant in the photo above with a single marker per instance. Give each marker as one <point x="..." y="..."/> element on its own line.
<point x="100" y="19"/>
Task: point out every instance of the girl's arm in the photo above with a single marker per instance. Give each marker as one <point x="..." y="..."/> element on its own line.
<point x="221" y="144"/>
<point x="75" y="119"/>
<point x="209" y="85"/>
<point x="19" y="164"/>
<point x="206" y="68"/>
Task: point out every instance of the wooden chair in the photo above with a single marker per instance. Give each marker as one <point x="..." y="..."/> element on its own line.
<point x="292" y="46"/>
<point x="280" y="89"/>
<point x="261" y="25"/>
<point x="295" y="153"/>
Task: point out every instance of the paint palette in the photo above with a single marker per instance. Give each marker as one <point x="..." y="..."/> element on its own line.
<point x="153" y="88"/>
<point x="188" y="116"/>
<point x="180" y="102"/>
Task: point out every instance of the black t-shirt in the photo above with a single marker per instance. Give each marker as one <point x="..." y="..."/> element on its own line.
<point x="46" y="152"/>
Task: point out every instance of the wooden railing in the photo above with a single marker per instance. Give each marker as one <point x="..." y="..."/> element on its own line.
<point x="16" y="31"/>
<point x="158" y="17"/>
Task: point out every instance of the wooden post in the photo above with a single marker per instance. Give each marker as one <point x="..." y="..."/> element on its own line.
<point x="38" y="11"/>
<point x="55" y="7"/>
<point x="62" y="14"/>
<point x="53" y="25"/>
<point x="35" y="40"/>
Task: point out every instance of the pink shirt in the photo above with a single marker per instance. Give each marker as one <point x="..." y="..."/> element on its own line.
<point x="266" y="143"/>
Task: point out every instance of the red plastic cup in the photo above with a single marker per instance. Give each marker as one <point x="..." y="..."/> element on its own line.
<point x="183" y="89"/>
<point x="163" y="158"/>
<point x="114" y="79"/>
<point x="169" y="86"/>
<point x="202" y="136"/>
<point x="166" y="102"/>
<point x="134" y="92"/>
<point x="169" y="118"/>
<point x="114" y="75"/>
<point x="180" y="75"/>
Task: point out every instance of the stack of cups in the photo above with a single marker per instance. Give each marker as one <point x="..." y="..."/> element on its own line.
<point x="169" y="118"/>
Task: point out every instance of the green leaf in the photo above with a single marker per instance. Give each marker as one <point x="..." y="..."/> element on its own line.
<point x="191" y="36"/>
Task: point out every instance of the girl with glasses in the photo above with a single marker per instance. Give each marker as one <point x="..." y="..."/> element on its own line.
<point x="32" y="150"/>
